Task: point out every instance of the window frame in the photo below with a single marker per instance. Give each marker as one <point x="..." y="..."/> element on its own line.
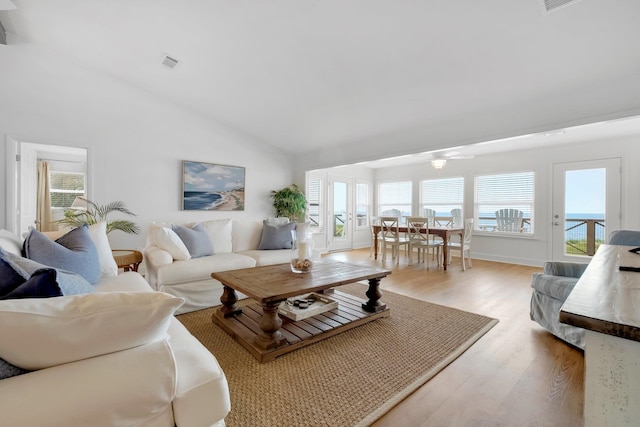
<point x="451" y="205"/>
<point x="513" y="201"/>
<point x="382" y="204"/>
<point x="78" y="193"/>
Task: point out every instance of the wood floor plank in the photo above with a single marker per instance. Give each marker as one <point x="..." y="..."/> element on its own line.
<point x="517" y="374"/>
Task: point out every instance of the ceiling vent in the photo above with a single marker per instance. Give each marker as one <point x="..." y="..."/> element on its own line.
<point x="551" y="5"/>
<point x="170" y="62"/>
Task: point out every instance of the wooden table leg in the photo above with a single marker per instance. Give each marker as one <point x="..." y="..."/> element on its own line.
<point x="374" y="305"/>
<point x="445" y="251"/>
<point x="271" y="337"/>
<point x="375" y="245"/>
<point x="229" y="299"/>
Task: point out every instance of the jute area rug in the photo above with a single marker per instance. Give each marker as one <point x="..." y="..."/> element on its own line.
<point x="350" y="379"/>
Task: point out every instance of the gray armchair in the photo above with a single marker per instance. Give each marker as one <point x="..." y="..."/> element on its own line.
<point x="552" y="287"/>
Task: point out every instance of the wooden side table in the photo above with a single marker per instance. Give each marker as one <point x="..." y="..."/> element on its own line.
<point x="127" y="259"/>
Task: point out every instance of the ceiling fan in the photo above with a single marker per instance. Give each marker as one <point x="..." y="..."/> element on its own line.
<point x="439" y="157"/>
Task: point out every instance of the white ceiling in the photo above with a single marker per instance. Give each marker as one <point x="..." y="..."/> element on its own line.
<point x="304" y="75"/>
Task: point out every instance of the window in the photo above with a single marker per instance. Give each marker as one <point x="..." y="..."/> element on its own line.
<point x="363" y="204"/>
<point x="64" y="187"/>
<point x="442" y="195"/>
<point x="504" y="191"/>
<point x="314" y="199"/>
<point x="394" y="199"/>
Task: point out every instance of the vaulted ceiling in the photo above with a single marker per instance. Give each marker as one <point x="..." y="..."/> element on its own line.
<point x="363" y="77"/>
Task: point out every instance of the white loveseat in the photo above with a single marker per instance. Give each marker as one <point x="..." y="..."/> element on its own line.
<point x="235" y="245"/>
<point x="171" y="380"/>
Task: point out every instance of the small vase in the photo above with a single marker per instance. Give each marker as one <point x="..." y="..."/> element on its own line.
<point x="302" y="248"/>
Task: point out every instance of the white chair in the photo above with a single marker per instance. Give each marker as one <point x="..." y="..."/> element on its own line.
<point x="509" y="220"/>
<point x="456" y="217"/>
<point x="465" y="246"/>
<point x="418" y="232"/>
<point x="391" y="237"/>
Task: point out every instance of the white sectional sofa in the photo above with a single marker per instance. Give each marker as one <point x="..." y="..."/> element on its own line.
<point x="168" y="378"/>
<point x="235" y="244"/>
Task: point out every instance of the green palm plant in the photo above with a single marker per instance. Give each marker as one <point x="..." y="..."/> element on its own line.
<point x="290" y="202"/>
<point x="96" y="213"/>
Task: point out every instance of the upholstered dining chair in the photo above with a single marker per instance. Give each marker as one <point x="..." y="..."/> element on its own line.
<point x="465" y="246"/>
<point x="509" y="220"/>
<point x="389" y="229"/>
<point x="418" y="233"/>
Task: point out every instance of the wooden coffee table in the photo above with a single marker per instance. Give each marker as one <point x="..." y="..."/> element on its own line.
<point x="265" y="334"/>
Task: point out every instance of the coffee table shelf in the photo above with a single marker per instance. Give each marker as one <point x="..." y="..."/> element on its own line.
<point x="245" y="327"/>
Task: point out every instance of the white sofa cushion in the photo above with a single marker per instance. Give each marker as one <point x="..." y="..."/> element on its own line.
<point x="201" y="268"/>
<point x="201" y="379"/>
<point x="40" y="333"/>
<point x="126" y="388"/>
<point x="219" y="231"/>
<point x="246" y="235"/>
<point x="165" y="238"/>
<point x="276" y="256"/>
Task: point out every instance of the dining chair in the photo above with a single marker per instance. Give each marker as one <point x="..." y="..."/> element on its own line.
<point x="418" y="232"/>
<point x="509" y="220"/>
<point x="456" y="217"/>
<point x="465" y="246"/>
<point x="390" y="232"/>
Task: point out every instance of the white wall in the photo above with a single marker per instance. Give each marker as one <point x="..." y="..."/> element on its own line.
<point x="136" y="141"/>
<point x="537" y="250"/>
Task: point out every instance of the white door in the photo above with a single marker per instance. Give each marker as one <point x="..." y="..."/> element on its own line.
<point x="586" y="207"/>
<point x="340" y="215"/>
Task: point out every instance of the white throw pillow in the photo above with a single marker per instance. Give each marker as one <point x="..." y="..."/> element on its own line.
<point x="10" y="242"/>
<point x="37" y="333"/>
<point x="165" y="238"/>
<point x="98" y="234"/>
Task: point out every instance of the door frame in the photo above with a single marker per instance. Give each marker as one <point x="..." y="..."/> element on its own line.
<point x="14" y="175"/>
<point x="613" y="202"/>
<point x="334" y="244"/>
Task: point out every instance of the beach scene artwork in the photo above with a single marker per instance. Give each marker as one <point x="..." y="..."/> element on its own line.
<point x="208" y="187"/>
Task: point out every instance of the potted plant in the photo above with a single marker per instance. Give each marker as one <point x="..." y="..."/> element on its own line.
<point x="95" y="213"/>
<point x="290" y="202"/>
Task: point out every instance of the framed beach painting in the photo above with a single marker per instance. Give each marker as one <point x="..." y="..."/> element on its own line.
<point x="209" y="187"/>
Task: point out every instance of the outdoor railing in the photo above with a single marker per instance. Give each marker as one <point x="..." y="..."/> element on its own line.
<point x="583" y="236"/>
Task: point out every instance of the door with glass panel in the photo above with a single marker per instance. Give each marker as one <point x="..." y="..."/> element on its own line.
<point x="340" y="215"/>
<point x="586" y="207"/>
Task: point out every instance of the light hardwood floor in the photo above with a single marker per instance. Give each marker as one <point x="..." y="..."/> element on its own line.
<point x="516" y="375"/>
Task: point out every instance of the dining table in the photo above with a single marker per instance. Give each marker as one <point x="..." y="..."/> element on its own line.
<point x="444" y="232"/>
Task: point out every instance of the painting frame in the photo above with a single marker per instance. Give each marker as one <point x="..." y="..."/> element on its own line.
<point x="212" y="187"/>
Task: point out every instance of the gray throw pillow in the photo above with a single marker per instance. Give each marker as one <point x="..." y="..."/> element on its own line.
<point x="75" y="252"/>
<point x="69" y="282"/>
<point x="276" y="236"/>
<point x="195" y="239"/>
